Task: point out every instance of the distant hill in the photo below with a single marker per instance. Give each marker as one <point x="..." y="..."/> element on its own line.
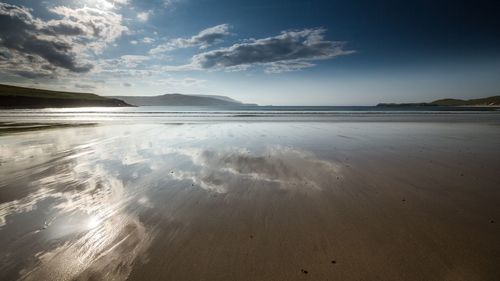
<point x="220" y="97"/>
<point x="21" y="97"/>
<point x="490" y="101"/>
<point x="476" y="102"/>
<point x="180" y="100"/>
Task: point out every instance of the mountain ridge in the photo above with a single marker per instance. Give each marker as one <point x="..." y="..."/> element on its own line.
<point x="177" y="99"/>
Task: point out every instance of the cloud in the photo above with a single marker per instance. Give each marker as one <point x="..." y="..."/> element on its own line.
<point x="22" y="34"/>
<point x="119" y="2"/>
<point x="144" y="16"/>
<point x="203" y="39"/>
<point x="32" y="74"/>
<point x="126" y="84"/>
<point x="148" y="40"/>
<point x="291" y="50"/>
<point x="123" y="67"/>
<point x="46" y="48"/>
<point x="100" y="27"/>
<point x="107" y="4"/>
<point x="287" y="66"/>
<point x="179" y="82"/>
<point x="26" y="66"/>
<point x="169" y="3"/>
<point x="132" y="61"/>
<point x="85" y="86"/>
<point x="279" y="167"/>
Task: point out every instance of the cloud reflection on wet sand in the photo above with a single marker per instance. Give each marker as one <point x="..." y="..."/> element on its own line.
<point x="89" y="186"/>
<point x="278" y="166"/>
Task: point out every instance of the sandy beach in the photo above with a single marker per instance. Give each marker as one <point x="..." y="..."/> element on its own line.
<point x="251" y="201"/>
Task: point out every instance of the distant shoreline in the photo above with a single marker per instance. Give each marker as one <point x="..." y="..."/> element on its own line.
<point x="493" y="101"/>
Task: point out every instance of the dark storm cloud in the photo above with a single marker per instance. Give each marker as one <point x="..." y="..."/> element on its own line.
<point x="22" y="33"/>
<point x="290" y="50"/>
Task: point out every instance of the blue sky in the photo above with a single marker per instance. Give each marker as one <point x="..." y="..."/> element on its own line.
<point x="267" y="52"/>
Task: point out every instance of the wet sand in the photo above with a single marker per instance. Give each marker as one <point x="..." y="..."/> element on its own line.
<point x="252" y="201"/>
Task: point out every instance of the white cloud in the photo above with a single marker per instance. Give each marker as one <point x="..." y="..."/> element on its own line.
<point x="144" y="16"/>
<point x="289" y="51"/>
<point x="120" y="2"/>
<point x="100" y="27"/>
<point x="42" y="47"/>
<point x="278" y="67"/>
<point x="125" y="63"/>
<point x="179" y="82"/>
<point x="106" y="4"/>
<point x="148" y="40"/>
<point x="133" y="60"/>
<point x="168" y="3"/>
<point x="203" y="39"/>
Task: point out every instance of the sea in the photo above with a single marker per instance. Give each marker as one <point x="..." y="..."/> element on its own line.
<point x="169" y="114"/>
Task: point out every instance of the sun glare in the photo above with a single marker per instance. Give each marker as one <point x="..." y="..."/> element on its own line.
<point x="100" y="4"/>
<point x="93" y="222"/>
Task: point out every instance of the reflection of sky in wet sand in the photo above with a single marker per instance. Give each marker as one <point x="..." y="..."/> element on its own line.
<point x="72" y="199"/>
<point x="251" y="201"/>
<point x="277" y="166"/>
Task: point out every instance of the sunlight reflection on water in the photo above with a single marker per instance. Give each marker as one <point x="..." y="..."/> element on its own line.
<point x="93" y="221"/>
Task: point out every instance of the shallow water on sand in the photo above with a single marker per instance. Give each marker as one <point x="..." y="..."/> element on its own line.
<point x="251" y="201"/>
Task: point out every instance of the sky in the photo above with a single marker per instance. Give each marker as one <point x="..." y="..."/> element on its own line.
<point x="356" y="52"/>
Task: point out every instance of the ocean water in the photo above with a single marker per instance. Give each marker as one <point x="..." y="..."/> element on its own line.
<point x="161" y="114"/>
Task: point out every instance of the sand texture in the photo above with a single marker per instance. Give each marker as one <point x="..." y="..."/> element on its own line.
<point x="252" y="201"/>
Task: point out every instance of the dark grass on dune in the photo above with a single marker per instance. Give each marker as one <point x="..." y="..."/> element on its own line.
<point x="21" y="97"/>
